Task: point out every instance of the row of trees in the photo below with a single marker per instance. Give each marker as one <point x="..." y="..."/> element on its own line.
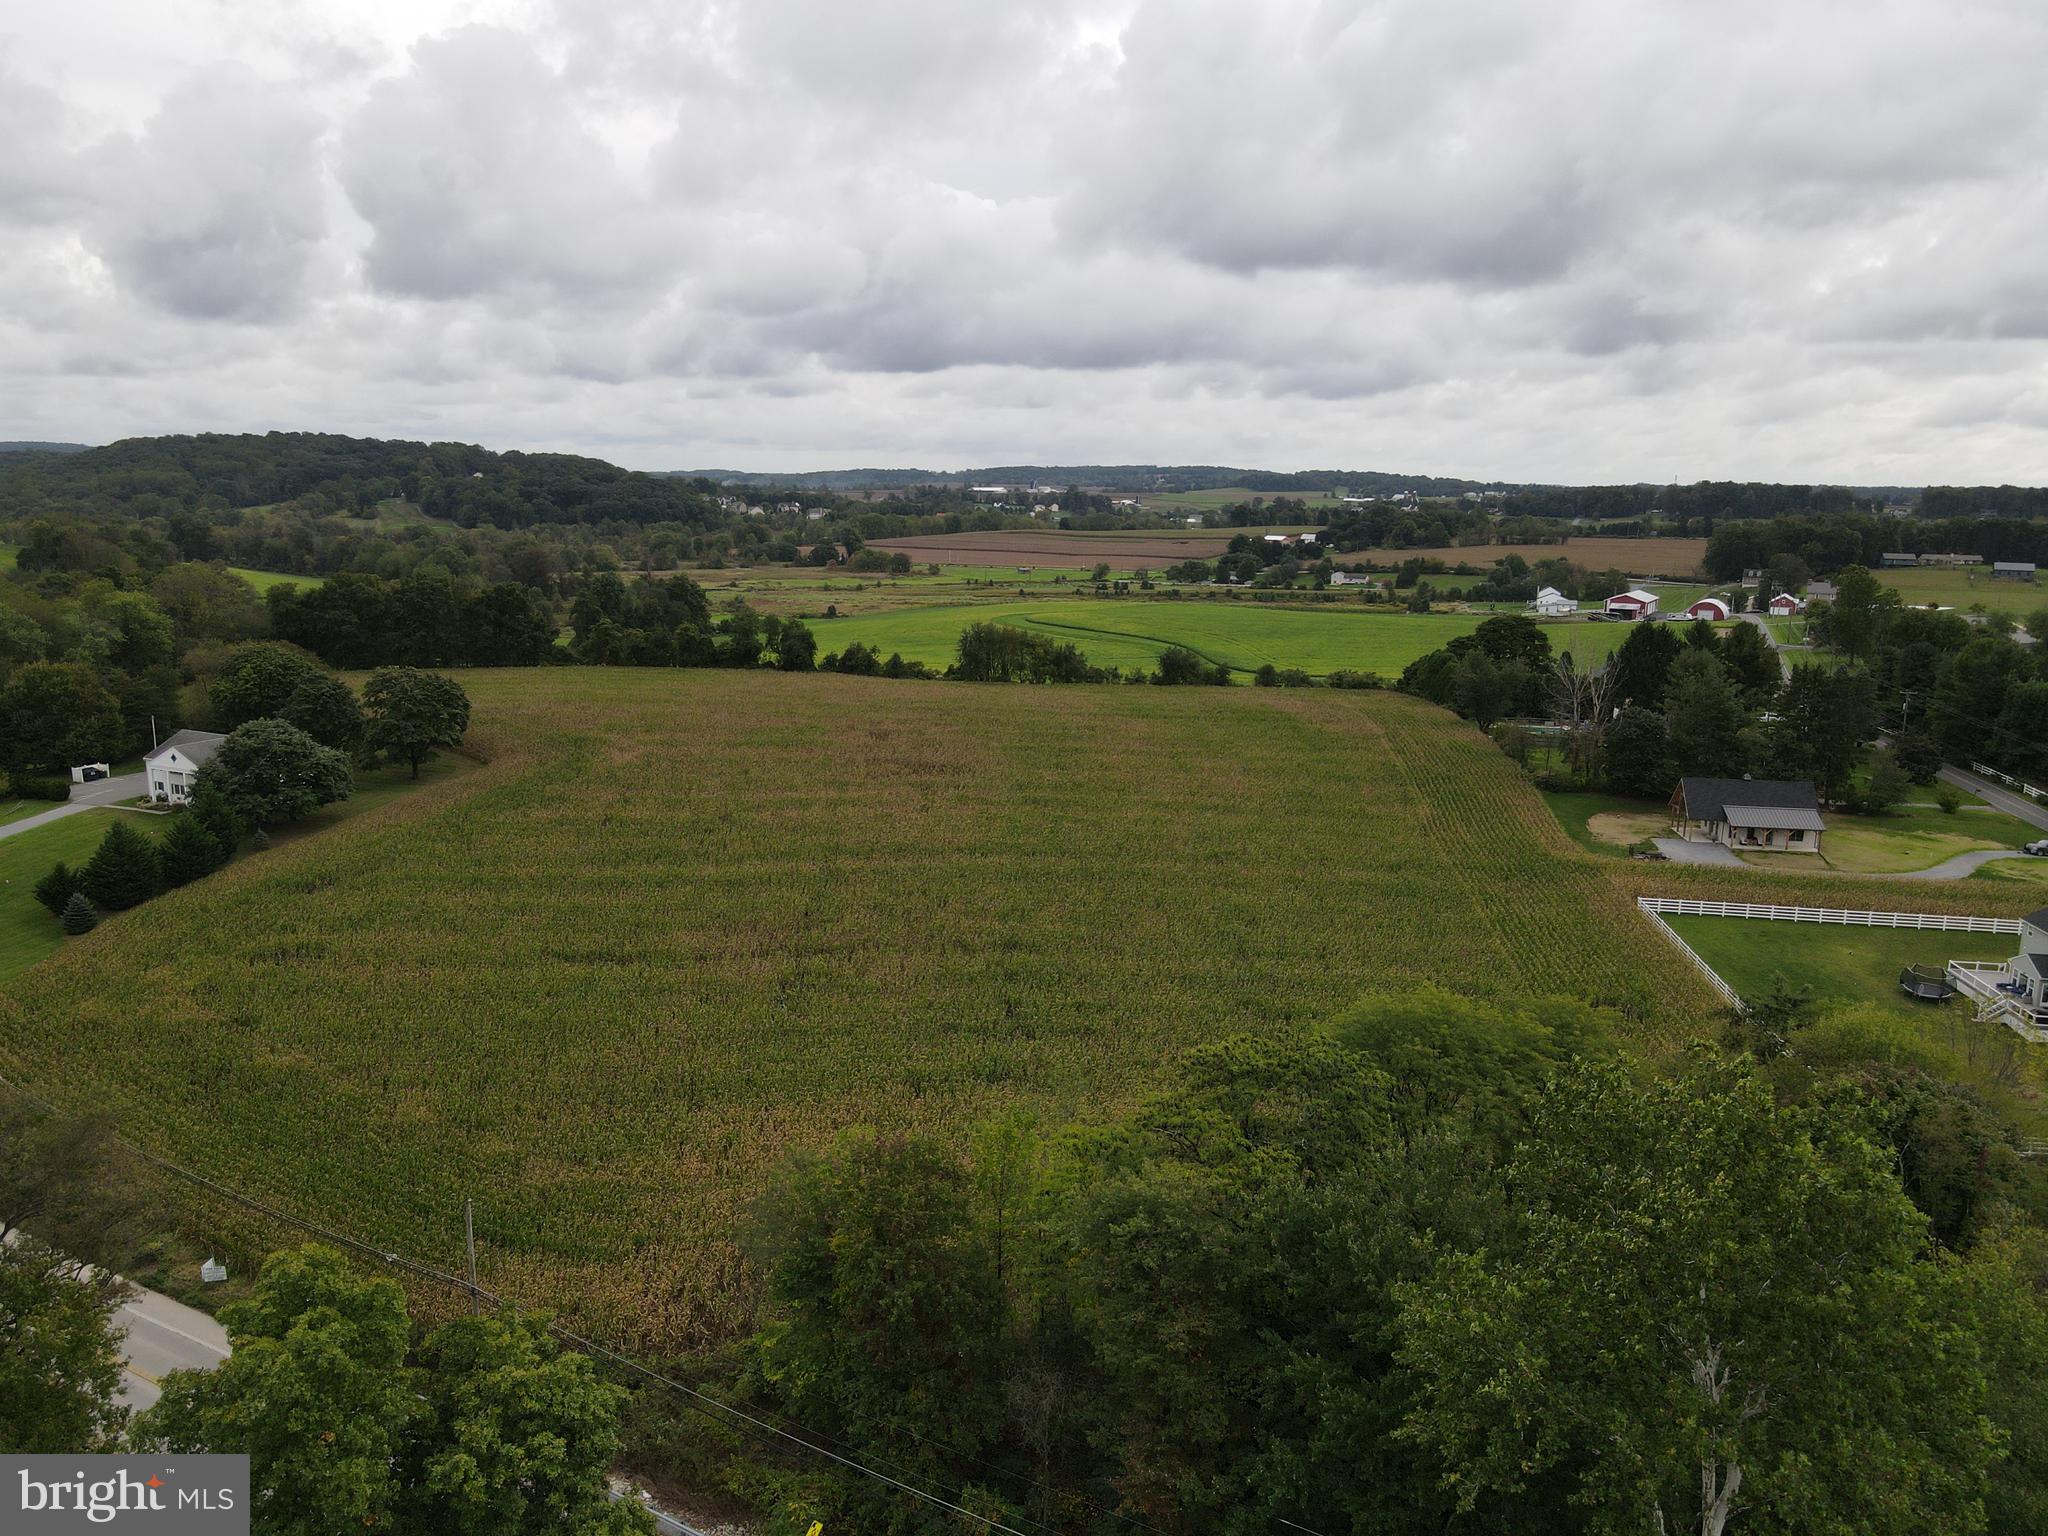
<point x="1448" y="1266"/>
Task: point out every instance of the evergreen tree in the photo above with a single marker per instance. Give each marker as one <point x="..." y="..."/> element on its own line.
<point x="80" y="916"/>
<point x="1638" y="758"/>
<point x="124" y="871"/>
<point x="1703" y="718"/>
<point x="189" y="852"/>
<point x="213" y="810"/>
<point x="56" y="889"/>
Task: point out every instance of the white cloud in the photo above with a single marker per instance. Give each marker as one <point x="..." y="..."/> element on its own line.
<point x="1594" y="239"/>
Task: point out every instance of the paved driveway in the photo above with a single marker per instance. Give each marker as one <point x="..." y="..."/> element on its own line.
<point x="84" y="797"/>
<point x="1679" y="851"/>
<point x="1956" y="868"/>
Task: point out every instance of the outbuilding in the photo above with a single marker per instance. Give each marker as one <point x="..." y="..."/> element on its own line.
<point x="1553" y="604"/>
<point x="1713" y="609"/>
<point x="174" y="764"/>
<point x="1776" y="815"/>
<point x="2012" y="570"/>
<point x="1632" y="604"/>
<point x="1786" y="606"/>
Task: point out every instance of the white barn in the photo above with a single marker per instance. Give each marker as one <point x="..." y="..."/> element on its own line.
<point x="176" y="763"/>
<point x="1553" y="604"/>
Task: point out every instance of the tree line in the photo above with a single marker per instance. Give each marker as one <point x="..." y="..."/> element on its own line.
<point x="1444" y="1265"/>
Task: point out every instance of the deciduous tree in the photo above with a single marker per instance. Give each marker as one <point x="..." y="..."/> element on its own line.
<point x="408" y="714"/>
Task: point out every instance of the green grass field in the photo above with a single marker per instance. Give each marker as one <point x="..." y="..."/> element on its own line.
<point x="263" y="581"/>
<point x="1964" y="587"/>
<point x="1243" y="635"/>
<point x="9" y="553"/>
<point x="27" y="932"/>
<point x="1843" y="964"/>
<point x="685" y="922"/>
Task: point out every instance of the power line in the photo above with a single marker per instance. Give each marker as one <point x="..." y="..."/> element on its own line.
<point x="394" y="1259"/>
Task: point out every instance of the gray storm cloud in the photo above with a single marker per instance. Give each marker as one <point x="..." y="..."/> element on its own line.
<point x="1587" y="240"/>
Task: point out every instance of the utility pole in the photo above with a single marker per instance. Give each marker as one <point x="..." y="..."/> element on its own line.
<point x="469" y="1244"/>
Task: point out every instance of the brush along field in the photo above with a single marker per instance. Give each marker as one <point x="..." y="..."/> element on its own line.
<point x="1244" y="636"/>
<point x="683" y="923"/>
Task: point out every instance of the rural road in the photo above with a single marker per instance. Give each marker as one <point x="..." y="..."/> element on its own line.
<point x="161" y="1335"/>
<point x="84" y="797"/>
<point x="1998" y="799"/>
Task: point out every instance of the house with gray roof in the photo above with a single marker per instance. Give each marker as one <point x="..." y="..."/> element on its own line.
<point x="2012" y="992"/>
<point x="1762" y="815"/>
<point x="174" y="763"/>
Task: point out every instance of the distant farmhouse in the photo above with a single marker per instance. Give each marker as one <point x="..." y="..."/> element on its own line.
<point x="1632" y="604"/>
<point x="1553" y="604"/>
<point x="174" y="765"/>
<point x="1778" y="815"/>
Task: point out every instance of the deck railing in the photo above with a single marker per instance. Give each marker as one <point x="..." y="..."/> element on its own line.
<point x="1678" y="907"/>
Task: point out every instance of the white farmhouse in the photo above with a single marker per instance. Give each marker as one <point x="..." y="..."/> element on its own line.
<point x="1553" y="604"/>
<point x="176" y="763"/>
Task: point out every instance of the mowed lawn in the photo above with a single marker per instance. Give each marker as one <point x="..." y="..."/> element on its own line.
<point x="685" y="922"/>
<point x="27" y="931"/>
<point x="1964" y="587"/>
<point x="1243" y="635"/>
<point x="1841" y="964"/>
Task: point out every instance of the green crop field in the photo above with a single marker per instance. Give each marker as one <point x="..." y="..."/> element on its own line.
<point x="1243" y="636"/>
<point x="684" y="922"/>
<point x="263" y="581"/>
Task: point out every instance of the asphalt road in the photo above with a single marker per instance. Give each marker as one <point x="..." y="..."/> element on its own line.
<point x="1998" y="798"/>
<point x="163" y="1335"/>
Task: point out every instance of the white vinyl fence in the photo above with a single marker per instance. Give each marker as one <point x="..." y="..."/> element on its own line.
<point x="1678" y="908"/>
<point x="2030" y="791"/>
<point x="1728" y="993"/>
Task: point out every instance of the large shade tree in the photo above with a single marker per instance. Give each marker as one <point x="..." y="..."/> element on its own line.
<point x="408" y="714"/>
<point x="1710" y="1304"/>
<point x="270" y="771"/>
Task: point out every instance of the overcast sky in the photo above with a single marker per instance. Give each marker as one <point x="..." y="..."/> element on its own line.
<point x="1572" y="240"/>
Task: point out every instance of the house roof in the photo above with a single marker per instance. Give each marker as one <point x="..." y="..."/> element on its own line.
<point x="2012" y="565"/>
<point x="1773" y="818"/>
<point x="1634" y="594"/>
<point x="2040" y="962"/>
<point x="1717" y="602"/>
<point x="1709" y="799"/>
<point x="194" y="746"/>
<point x="2037" y="919"/>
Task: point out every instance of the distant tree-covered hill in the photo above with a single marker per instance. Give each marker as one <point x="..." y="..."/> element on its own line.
<point x="43" y="447"/>
<point x="458" y="483"/>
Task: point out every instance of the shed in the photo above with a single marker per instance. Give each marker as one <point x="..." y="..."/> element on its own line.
<point x="1632" y="604"/>
<point x="1713" y="608"/>
<point x="2012" y="570"/>
<point x="1785" y="606"/>
<point x="1553" y="604"/>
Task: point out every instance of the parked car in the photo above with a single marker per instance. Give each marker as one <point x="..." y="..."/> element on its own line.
<point x="2038" y="849"/>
